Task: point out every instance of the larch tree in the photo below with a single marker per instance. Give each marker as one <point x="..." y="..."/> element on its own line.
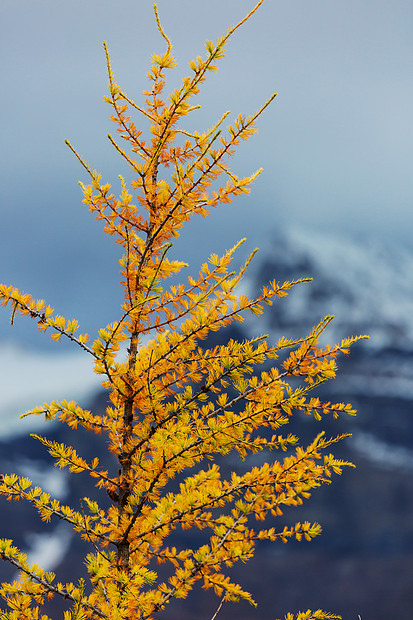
<point x="175" y="403"/>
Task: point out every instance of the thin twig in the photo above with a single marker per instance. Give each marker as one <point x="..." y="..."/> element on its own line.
<point x="219" y="608"/>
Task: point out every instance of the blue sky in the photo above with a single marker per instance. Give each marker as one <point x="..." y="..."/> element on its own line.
<point x="336" y="145"/>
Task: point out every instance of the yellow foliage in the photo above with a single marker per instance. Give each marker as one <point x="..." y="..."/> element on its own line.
<point x="175" y="402"/>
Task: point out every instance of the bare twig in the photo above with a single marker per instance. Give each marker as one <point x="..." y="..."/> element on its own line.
<point x="219" y="609"/>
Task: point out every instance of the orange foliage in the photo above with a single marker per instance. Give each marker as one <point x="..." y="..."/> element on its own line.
<point x="175" y="403"/>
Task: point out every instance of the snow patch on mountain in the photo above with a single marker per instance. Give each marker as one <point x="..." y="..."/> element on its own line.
<point x="51" y="479"/>
<point x="48" y="550"/>
<point x="382" y="453"/>
<point x="367" y="287"/>
<point x="30" y="378"/>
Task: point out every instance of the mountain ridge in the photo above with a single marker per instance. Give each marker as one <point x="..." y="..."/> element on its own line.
<point x="362" y="563"/>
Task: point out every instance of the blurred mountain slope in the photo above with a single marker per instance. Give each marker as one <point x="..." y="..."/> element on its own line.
<point x="363" y="562"/>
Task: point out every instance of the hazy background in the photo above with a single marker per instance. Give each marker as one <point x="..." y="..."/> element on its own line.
<point x="336" y="145"/>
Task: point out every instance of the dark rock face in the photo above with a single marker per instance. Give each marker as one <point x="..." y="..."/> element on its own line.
<point x="363" y="562"/>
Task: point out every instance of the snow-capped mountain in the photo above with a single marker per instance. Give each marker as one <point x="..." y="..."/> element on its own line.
<point x="369" y="290"/>
<point x="363" y="563"/>
<point x="366" y="285"/>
